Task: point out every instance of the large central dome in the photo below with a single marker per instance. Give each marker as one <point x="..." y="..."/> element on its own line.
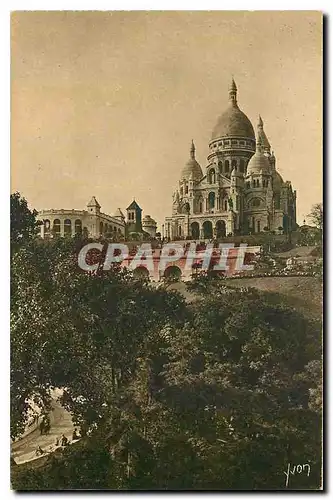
<point x="233" y="122"/>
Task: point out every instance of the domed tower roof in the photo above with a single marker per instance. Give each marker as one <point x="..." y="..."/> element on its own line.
<point x="233" y="122"/>
<point x="192" y="168"/>
<point x="262" y="136"/>
<point x="259" y="163"/>
<point x="148" y="220"/>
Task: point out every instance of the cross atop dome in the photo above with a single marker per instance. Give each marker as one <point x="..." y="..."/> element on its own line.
<point x="192" y="150"/>
<point x="233" y="85"/>
<point x="233" y="92"/>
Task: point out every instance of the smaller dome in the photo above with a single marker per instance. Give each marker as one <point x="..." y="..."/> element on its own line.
<point x="148" y="220"/>
<point x="192" y="169"/>
<point x="259" y="163"/>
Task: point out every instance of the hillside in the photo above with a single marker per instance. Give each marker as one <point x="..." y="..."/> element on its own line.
<point x="302" y="292"/>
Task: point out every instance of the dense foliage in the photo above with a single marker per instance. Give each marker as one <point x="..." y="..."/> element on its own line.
<point x="317" y="215"/>
<point x="222" y="393"/>
<point x="23" y="223"/>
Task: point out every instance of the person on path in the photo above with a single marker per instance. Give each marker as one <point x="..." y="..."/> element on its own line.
<point x="64" y="440"/>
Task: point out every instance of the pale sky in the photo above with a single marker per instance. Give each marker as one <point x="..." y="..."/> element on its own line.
<point x="106" y="103"/>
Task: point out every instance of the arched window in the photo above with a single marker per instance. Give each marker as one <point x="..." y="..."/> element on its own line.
<point x="226" y="166"/>
<point x="47" y="227"/>
<point x="212" y="176"/>
<point x="233" y="164"/>
<point x="68" y="227"/>
<point x="242" y="166"/>
<point x="256" y="202"/>
<point x="200" y="206"/>
<point x="78" y="226"/>
<point x="258" y="183"/>
<point x="186" y="189"/>
<point x="101" y="227"/>
<point x="220" y="165"/>
<point x="56" y="227"/>
<point x="211" y="200"/>
<point x="226" y="205"/>
<point x="195" y="230"/>
<point x="179" y="230"/>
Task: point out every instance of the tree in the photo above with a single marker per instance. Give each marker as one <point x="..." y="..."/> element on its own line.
<point x="74" y="330"/>
<point x="23" y="223"/>
<point x="231" y="380"/>
<point x="316" y="215"/>
<point x="239" y="375"/>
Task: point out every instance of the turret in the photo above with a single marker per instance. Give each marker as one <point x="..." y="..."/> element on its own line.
<point x="262" y="137"/>
<point x="93" y="206"/>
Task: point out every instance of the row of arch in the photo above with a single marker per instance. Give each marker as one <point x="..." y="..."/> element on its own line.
<point x="207" y="228"/>
<point x="70" y="227"/>
<point x="142" y="273"/>
<point x="67" y="227"/>
<point x="233" y="142"/>
<point x="211" y="202"/>
<point x="108" y="228"/>
<point x="255" y="183"/>
<point x="221" y="204"/>
<point x="207" y="232"/>
<point x="225" y="168"/>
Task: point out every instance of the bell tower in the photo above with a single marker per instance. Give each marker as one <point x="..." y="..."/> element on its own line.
<point x="134" y="218"/>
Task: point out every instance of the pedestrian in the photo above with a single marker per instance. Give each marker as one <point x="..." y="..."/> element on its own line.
<point x="75" y="435"/>
<point x="41" y="427"/>
<point x="64" y="440"/>
<point x="39" y="451"/>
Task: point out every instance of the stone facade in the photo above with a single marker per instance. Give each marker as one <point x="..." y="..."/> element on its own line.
<point x="91" y="221"/>
<point x="149" y="225"/>
<point x="241" y="192"/>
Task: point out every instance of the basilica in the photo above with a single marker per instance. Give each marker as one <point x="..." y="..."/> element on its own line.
<point x="241" y="192"/>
